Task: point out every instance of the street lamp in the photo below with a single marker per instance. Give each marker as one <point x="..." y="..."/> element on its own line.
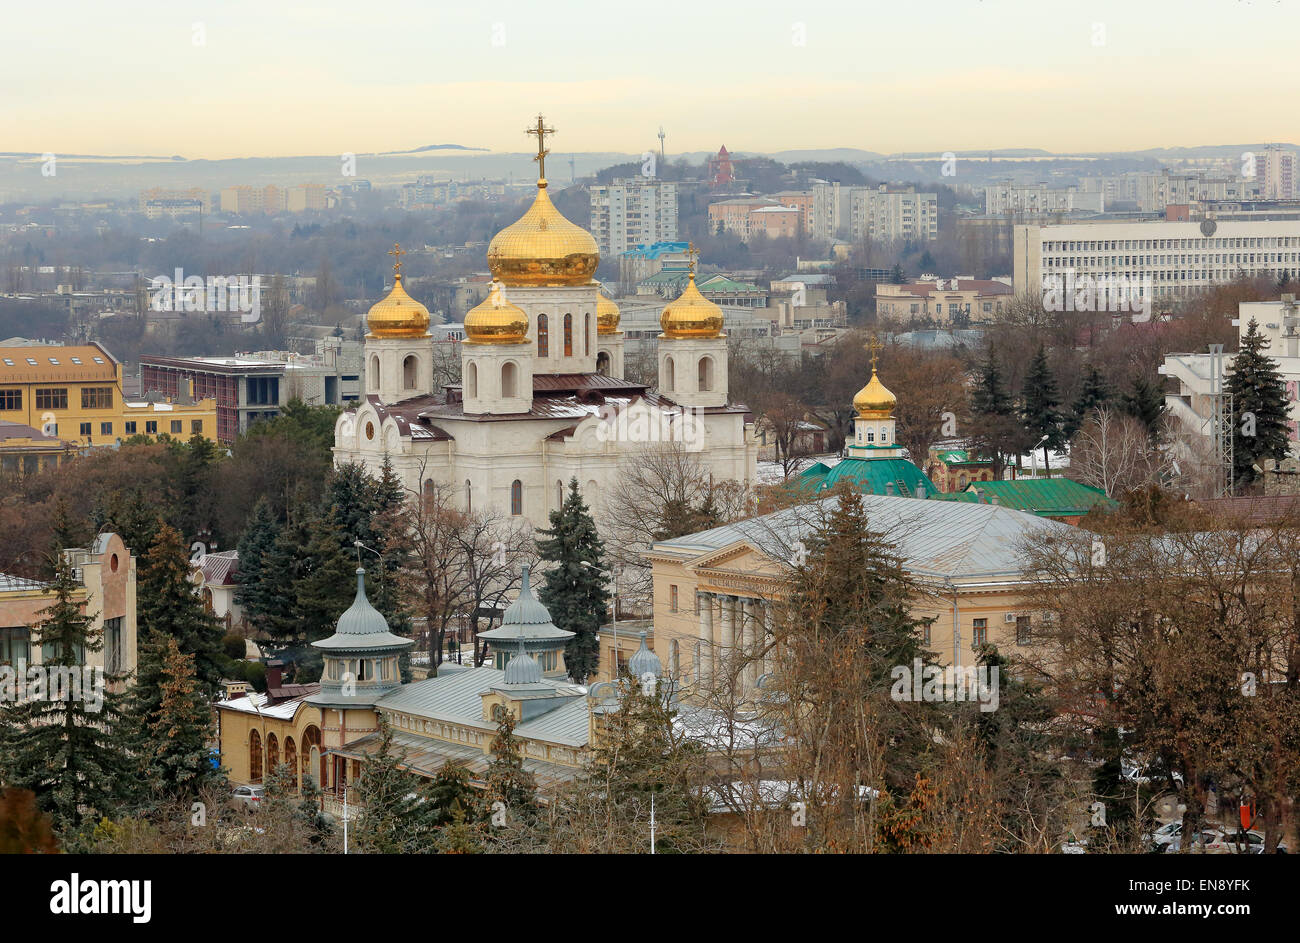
<point x="1033" y="456"/>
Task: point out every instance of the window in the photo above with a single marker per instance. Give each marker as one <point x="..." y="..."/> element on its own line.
<point x="586" y="337"/>
<point x="196" y="426"/>
<point x="669" y="373"/>
<point x="374" y="374"/>
<point x="129" y="427"/>
<point x="15" y="645"/>
<point x="672" y="598"/>
<point x="471" y="380"/>
<point x="568" y="335"/>
<point x="517" y="497"/>
<point x="113" y="645"/>
<point x="543" y="337"/>
<point x="11" y="399"/>
<point x="925" y="634"/>
<point x="85" y="429"/>
<point x="981" y="634"/>
<point x="509" y="379"/>
<point x="410" y="372"/>
<point x="1022" y="630"/>
<point x="706" y="374"/>
<point x="52" y="399"/>
<point x="177" y="425"/>
<point x="151" y="427"/>
<point x="96" y="397"/>
<point x="105" y="428"/>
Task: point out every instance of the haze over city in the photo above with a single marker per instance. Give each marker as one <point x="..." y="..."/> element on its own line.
<point x="244" y="78"/>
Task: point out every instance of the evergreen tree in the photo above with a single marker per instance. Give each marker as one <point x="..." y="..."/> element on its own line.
<point x="573" y="590"/>
<point x="259" y="591"/>
<point x="1260" y="412"/>
<point x="63" y="747"/>
<point x="168" y="605"/>
<point x="329" y="584"/>
<point x="996" y="432"/>
<point x="386" y="793"/>
<point x="1144" y="401"/>
<point x="507" y="780"/>
<point x="450" y="797"/>
<point x="1094" y="394"/>
<point x="172" y="743"/>
<point x="284" y="567"/>
<point x="1039" y="406"/>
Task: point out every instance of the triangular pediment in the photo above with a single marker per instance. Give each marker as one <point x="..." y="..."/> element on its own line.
<point x="741" y="557"/>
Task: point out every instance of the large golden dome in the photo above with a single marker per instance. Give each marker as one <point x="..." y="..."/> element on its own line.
<point x="874" y="401"/>
<point x="543" y="248"/>
<point x="496" y="321"/>
<point x="607" y="313"/>
<point x="691" y="315"/>
<point x="398" y="315"/>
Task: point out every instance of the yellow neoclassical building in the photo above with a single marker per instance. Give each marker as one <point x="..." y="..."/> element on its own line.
<point x="74" y="393"/>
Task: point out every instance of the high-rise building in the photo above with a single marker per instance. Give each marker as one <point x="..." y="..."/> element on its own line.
<point x="892" y="214"/>
<point x="1275" y="169"/>
<point x="631" y="212"/>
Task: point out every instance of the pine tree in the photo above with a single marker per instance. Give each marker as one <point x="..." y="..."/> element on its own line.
<point x="284" y="567"/>
<point x="996" y="433"/>
<point x="450" y="797"/>
<point x="258" y="591"/>
<point x="1039" y="406"/>
<point x="507" y="780"/>
<point x="573" y="590"/>
<point x="63" y="747"/>
<point x="329" y="584"/>
<point x="389" y="820"/>
<point x="1145" y="403"/>
<point x="1094" y="394"/>
<point x="172" y="743"/>
<point x="169" y="606"/>
<point x="1260" y="412"/>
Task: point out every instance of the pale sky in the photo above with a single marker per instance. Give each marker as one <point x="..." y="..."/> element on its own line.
<point x="209" y="79"/>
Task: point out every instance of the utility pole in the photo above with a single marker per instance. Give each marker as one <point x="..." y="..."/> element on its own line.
<point x="661" y="144"/>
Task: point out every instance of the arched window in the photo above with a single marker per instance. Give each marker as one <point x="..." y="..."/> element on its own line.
<point x="568" y="335"/>
<point x="254" y="757"/>
<point x="313" y="767"/>
<point x="602" y="363"/>
<point x="374" y="374"/>
<point x="410" y="372"/>
<point x="706" y="374"/>
<point x="543" y="336"/>
<point x="517" y="497"/>
<point x="509" y="379"/>
<point x="272" y="752"/>
<point x="586" y="337"/>
<point x="592" y="495"/>
<point x="669" y="372"/>
<point x="471" y="381"/>
<point x="468" y="495"/>
<point x="559" y="495"/>
<point x="291" y="759"/>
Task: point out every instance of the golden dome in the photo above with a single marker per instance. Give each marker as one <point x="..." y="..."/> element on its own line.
<point x="398" y="315"/>
<point x="496" y="321"/>
<point x="874" y="401"/>
<point x="691" y="315"/>
<point x="607" y="314"/>
<point x="543" y="248"/>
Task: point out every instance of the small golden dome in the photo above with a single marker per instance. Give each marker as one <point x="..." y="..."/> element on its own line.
<point x="543" y="248"/>
<point x="398" y="315"/>
<point x="607" y="313"/>
<point x="691" y="315"/>
<point x="874" y="401"/>
<point x="496" y="321"/>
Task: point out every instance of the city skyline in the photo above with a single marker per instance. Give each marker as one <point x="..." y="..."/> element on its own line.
<point x="242" y="80"/>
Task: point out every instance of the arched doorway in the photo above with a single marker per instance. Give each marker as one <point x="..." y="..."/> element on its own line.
<point x="291" y="761"/>
<point x="313" y="766"/>
<point x="272" y="753"/>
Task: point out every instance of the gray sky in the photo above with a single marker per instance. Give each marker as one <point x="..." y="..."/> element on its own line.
<point x="242" y="78"/>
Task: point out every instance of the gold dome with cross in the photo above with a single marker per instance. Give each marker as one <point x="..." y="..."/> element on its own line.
<point x="543" y="248"/>
<point x="874" y="401"/>
<point x="397" y="314"/>
<point x="691" y="315"/>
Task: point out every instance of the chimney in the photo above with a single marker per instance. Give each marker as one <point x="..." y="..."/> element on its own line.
<point x="274" y="675"/>
<point x="920" y="492"/>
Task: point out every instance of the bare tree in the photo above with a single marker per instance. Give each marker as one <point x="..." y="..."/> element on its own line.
<point x="1113" y="452"/>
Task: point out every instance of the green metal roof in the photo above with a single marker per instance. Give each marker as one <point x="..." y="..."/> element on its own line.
<point x="870" y="476"/>
<point x="1046" y="497"/>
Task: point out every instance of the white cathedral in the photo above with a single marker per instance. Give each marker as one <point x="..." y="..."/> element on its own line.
<point x="542" y="397"/>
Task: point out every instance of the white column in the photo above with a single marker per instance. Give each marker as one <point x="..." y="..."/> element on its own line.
<point x="748" y="617"/>
<point x="704" y="671"/>
<point x="728" y="646"/>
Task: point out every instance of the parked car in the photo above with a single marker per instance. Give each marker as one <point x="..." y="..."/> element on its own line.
<point x="247" y="796"/>
<point x="1164" y="835"/>
<point x="1217" y="841"/>
<point x="1146" y="775"/>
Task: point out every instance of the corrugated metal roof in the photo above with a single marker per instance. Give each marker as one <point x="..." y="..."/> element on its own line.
<point x="219" y="568"/>
<point x="47" y="363"/>
<point x="19" y="584"/>
<point x="936" y="539"/>
<point x="426" y="756"/>
<point x="1046" y="497"/>
<point x="870" y="475"/>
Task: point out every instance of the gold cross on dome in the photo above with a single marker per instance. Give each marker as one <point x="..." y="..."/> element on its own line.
<point x="541" y="131"/>
<point x="875" y="347"/>
<point x="397" y="254"/>
<point x="691" y="254"/>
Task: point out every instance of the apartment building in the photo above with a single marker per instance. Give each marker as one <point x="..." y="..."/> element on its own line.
<point x="1174" y="258"/>
<point x="162" y="203"/>
<point x="245" y="200"/>
<point x="1275" y="169"/>
<point x="892" y="214"/>
<point x="946" y="300"/>
<point x="633" y="211"/>
<point x="1152" y="191"/>
<point x="1009" y="198"/>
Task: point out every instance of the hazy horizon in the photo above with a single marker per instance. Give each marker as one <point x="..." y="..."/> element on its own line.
<point x="240" y="80"/>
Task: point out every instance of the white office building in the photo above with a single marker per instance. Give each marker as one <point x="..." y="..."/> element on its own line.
<point x="631" y="212"/>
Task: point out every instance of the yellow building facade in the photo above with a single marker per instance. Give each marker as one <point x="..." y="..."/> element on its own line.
<point x="74" y="393"/>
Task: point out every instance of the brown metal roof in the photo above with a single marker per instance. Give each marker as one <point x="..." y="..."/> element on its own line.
<point x="44" y="363"/>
